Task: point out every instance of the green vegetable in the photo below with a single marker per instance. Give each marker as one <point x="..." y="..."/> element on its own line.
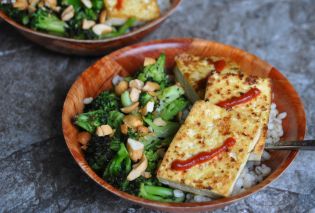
<point x="46" y="21"/>
<point x="125" y="99"/>
<point x="173" y="108"/>
<point x="144" y="98"/>
<point x="158" y="193"/>
<point x="133" y="134"/>
<point x="168" y="95"/>
<point x="122" y="29"/>
<point x="152" y="157"/>
<point x="97" y="5"/>
<point x="115" y="119"/>
<point x="98" y="153"/>
<point x="75" y="3"/>
<point x="163" y="131"/>
<point x="89" y="121"/>
<point x="155" y="72"/>
<point x="120" y="164"/>
<point x="115" y="143"/>
<point x="106" y="101"/>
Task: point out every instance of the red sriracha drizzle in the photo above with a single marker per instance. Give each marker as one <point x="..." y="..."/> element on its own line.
<point x="202" y="157"/>
<point x="249" y="95"/>
<point x="119" y="4"/>
<point x="219" y="65"/>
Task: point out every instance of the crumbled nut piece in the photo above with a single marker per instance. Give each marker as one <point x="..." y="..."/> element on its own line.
<point x="135" y="94"/>
<point x="149" y="61"/>
<point x="136" y="83"/>
<point x="84" y="138"/>
<point x="87" y="24"/>
<point x="20" y="4"/>
<point x="121" y="87"/>
<point x="124" y="129"/>
<point x="87" y="3"/>
<point x="135" y="149"/>
<point x="130" y="108"/>
<point x="151" y="86"/>
<point x="68" y="13"/>
<point x="104" y="130"/>
<point x="143" y="129"/>
<point x="149" y="107"/>
<point x="103" y="15"/>
<point x="133" y="121"/>
<point x="159" y="122"/>
<point x="138" y="169"/>
<point x="100" y="29"/>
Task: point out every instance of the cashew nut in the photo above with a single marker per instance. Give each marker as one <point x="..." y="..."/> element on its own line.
<point x="68" y="13"/>
<point x="143" y="129"/>
<point x="130" y="108"/>
<point x="84" y="138"/>
<point x="87" y="3"/>
<point x="20" y="4"/>
<point x="100" y="29"/>
<point x="139" y="169"/>
<point x="149" y="61"/>
<point x="149" y="107"/>
<point x="151" y="86"/>
<point x="133" y="121"/>
<point x="121" y="87"/>
<point x="103" y="16"/>
<point x="135" y="149"/>
<point x="135" y="94"/>
<point x="124" y="129"/>
<point x="87" y="24"/>
<point x="104" y="130"/>
<point x="136" y="83"/>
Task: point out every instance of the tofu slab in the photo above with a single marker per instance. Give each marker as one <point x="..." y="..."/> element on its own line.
<point x="142" y="10"/>
<point x="193" y="73"/>
<point x="206" y="128"/>
<point x="225" y="86"/>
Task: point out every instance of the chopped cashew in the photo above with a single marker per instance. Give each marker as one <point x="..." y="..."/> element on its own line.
<point x="151" y="86"/>
<point x="143" y="129"/>
<point x="146" y="174"/>
<point x="20" y="4"/>
<point x="149" y="61"/>
<point x="84" y="138"/>
<point x="87" y="24"/>
<point x="124" y="129"/>
<point x="135" y="94"/>
<point x="52" y="4"/>
<point x="139" y="169"/>
<point x="104" y="130"/>
<point x="149" y="107"/>
<point x="133" y="121"/>
<point x="68" y="13"/>
<point x="130" y="108"/>
<point x="121" y="87"/>
<point x="136" y="83"/>
<point x="100" y="29"/>
<point x="103" y="16"/>
<point x="159" y="122"/>
<point x="87" y="3"/>
<point x="135" y="149"/>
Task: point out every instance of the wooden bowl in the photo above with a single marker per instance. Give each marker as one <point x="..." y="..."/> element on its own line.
<point x="128" y="60"/>
<point x="89" y="47"/>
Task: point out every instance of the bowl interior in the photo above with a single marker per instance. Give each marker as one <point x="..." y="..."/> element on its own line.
<point x="128" y="60"/>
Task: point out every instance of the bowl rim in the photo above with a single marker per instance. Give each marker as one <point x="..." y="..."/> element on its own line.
<point x="142" y="28"/>
<point x="191" y="205"/>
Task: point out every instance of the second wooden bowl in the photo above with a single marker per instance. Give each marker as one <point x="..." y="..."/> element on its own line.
<point x="128" y="60"/>
<point x="89" y="47"/>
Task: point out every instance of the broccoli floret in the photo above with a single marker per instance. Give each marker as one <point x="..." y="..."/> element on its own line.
<point x="115" y="119"/>
<point x="46" y="21"/>
<point x="133" y="134"/>
<point x="115" y="143"/>
<point x="145" y="98"/>
<point x="98" y="153"/>
<point x="153" y="158"/>
<point x="120" y="164"/>
<point x="106" y="101"/>
<point x="89" y="121"/>
<point x="158" y="193"/>
<point x="163" y="131"/>
<point x="168" y="95"/>
<point x="173" y="108"/>
<point x="155" y="72"/>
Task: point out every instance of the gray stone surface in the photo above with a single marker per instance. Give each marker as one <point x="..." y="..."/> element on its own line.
<point x="39" y="175"/>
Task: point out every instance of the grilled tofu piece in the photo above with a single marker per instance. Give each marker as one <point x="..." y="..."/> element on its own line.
<point x="120" y="10"/>
<point x="206" y="128"/>
<point x="193" y="71"/>
<point x="221" y="87"/>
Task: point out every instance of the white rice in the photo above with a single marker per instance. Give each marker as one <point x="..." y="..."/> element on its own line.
<point x="254" y="171"/>
<point x="164" y="5"/>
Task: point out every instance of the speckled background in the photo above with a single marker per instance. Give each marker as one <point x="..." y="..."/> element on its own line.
<point x="38" y="173"/>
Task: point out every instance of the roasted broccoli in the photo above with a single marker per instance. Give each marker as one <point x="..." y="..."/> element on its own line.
<point x="89" y="121"/>
<point x="159" y="193"/>
<point x="106" y="101"/>
<point x="145" y="98"/>
<point x="173" y="108"/>
<point x="168" y="95"/>
<point x="115" y="118"/>
<point x="155" y="72"/>
<point x="163" y="131"/>
<point x="46" y="21"/>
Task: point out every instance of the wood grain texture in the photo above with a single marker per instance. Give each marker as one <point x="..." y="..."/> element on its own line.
<point x="89" y="47"/>
<point x="129" y="59"/>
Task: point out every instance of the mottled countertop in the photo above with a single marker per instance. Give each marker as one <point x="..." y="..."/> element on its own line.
<point x="39" y="175"/>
